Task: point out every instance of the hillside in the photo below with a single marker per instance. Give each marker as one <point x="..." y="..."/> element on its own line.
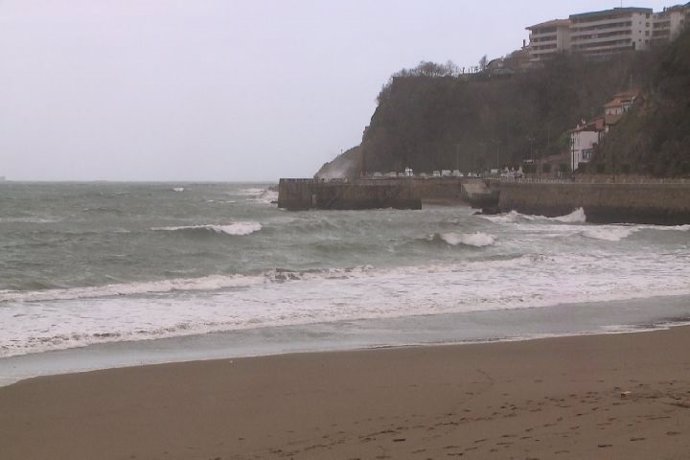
<point x="435" y="120"/>
<point x="654" y="137"/>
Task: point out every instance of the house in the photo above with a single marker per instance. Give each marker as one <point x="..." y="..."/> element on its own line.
<point x="587" y="135"/>
<point x="584" y="139"/>
<point x="620" y="103"/>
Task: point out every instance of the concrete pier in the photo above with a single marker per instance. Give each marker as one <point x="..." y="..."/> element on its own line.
<point x="302" y="194"/>
<point x="645" y="202"/>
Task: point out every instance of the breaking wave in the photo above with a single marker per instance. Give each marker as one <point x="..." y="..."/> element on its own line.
<point x="478" y="239"/>
<point x="575" y="217"/>
<point x="609" y="233"/>
<point x="234" y="229"/>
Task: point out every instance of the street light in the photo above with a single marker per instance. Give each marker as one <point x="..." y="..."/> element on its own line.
<point x="497" y="142"/>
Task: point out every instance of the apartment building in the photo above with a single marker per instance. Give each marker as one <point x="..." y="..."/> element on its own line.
<point x="667" y="24"/>
<point x="603" y="33"/>
<point x="548" y="38"/>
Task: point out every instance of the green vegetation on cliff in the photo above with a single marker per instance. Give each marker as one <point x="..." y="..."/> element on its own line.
<point x="430" y="118"/>
<point x="654" y="137"/>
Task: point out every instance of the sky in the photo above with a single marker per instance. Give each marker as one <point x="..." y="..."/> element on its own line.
<point x="233" y="90"/>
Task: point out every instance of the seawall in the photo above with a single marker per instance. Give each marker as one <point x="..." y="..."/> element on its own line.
<point x="302" y="194"/>
<point x="650" y="203"/>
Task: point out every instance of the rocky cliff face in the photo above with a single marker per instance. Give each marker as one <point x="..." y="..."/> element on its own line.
<point x="347" y="164"/>
<point x="654" y="137"/>
<point x="435" y="122"/>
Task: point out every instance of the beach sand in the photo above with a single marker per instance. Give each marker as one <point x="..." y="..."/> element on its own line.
<point x="551" y="398"/>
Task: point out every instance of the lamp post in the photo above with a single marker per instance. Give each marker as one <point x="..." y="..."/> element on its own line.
<point x="497" y="142"/>
<point x="457" y="157"/>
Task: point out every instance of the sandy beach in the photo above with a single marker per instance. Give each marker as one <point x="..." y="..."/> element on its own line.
<point x="614" y="396"/>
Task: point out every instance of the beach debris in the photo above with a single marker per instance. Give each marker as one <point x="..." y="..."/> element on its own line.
<point x="625" y="394"/>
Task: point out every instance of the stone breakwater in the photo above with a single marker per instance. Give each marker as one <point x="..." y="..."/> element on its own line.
<point x="302" y="194"/>
<point x="371" y="193"/>
<point x="642" y="202"/>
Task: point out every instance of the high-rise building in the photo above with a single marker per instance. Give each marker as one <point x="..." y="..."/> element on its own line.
<point x="603" y="33"/>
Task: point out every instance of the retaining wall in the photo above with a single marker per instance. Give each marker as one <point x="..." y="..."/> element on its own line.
<point x="300" y="194"/>
<point x="655" y="203"/>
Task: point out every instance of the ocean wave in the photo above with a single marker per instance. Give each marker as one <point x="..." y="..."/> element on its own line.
<point x="234" y="229"/>
<point x="207" y="283"/>
<point x="251" y="191"/>
<point x="28" y="220"/>
<point x="282" y="297"/>
<point x="666" y="228"/>
<point x="575" y="217"/>
<point x="508" y="218"/>
<point x="609" y="233"/>
<point x="259" y="195"/>
<point x="478" y="239"/>
<point x="178" y="189"/>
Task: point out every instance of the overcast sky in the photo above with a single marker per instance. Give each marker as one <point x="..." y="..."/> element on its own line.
<point x="223" y="90"/>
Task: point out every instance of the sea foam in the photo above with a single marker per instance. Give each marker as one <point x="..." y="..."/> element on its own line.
<point x="609" y="233"/>
<point x="575" y="217"/>
<point x="477" y="239"/>
<point x="234" y="229"/>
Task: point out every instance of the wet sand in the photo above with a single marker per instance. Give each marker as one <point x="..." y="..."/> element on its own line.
<point x="617" y="396"/>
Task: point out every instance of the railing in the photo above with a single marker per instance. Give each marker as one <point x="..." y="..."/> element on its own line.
<point x="593" y="180"/>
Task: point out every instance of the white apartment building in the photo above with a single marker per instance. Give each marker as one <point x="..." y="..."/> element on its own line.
<point x="603" y="33"/>
<point x="667" y="25"/>
<point x="548" y="38"/>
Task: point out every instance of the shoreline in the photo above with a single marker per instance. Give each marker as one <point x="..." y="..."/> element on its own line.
<point x="563" y="396"/>
<point x="447" y="329"/>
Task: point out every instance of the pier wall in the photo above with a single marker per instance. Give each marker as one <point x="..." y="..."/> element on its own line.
<point x="653" y="203"/>
<point x="301" y="194"/>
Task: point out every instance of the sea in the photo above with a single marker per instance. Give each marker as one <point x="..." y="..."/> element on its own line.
<point x="99" y="275"/>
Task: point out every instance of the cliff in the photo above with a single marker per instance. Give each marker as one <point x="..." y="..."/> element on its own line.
<point x="654" y="137"/>
<point x="439" y="120"/>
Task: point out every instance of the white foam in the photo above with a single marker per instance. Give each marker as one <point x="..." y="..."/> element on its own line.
<point x="609" y="233"/>
<point x="268" y="196"/>
<point x="509" y="218"/>
<point x="252" y="191"/>
<point x="234" y="229"/>
<point x="477" y="239"/>
<point x="207" y="283"/>
<point x="577" y="216"/>
<point x="28" y="220"/>
<point x="39" y="321"/>
<point x="178" y="189"/>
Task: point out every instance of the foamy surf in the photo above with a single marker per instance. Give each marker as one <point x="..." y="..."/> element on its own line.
<point x="478" y="239"/>
<point x="609" y="233"/>
<point x="575" y="217"/>
<point x="234" y="229"/>
<point x="339" y="295"/>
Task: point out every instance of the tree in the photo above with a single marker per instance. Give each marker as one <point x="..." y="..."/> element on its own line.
<point x="483" y="62"/>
